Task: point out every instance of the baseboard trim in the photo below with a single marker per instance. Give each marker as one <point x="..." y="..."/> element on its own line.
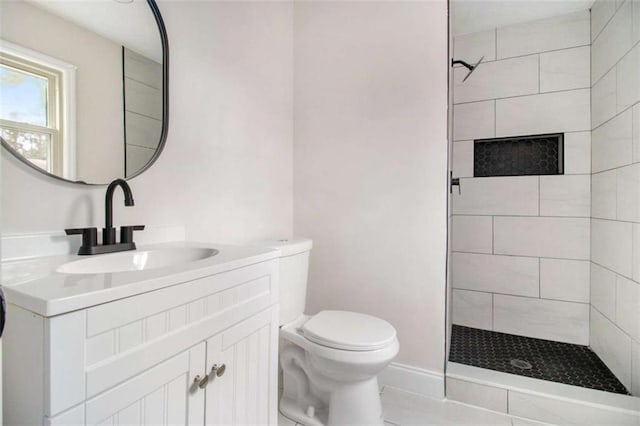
<point x="413" y="379"/>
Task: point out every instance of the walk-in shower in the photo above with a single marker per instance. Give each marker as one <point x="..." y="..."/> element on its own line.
<point x="544" y="247"/>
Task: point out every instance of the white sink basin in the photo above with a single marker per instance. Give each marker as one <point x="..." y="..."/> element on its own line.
<point x="136" y="260"/>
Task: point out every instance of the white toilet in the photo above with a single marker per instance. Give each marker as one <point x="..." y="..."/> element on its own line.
<point x="330" y="361"/>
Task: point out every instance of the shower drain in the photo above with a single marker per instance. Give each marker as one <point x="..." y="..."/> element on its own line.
<point x="521" y="364"/>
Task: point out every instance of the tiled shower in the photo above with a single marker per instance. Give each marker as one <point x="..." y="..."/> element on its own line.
<point x="553" y="256"/>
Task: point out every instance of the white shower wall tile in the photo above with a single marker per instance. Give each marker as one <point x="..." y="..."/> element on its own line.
<point x="628" y="184"/>
<point x="498" y="79"/>
<point x="613" y="42"/>
<point x="471" y="47"/>
<point x="603" y="194"/>
<point x="603" y="99"/>
<point x="636" y="20"/>
<point x="543" y="319"/>
<point x="565" y="69"/>
<point x="474" y="120"/>
<point x="636" y="252"/>
<point x="472" y="234"/>
<point x="565" y="195"/>
<point x="463" y="159"/>
<point x="497" y="196"/>
<point x="601" y="13"/>
<point x="577" y="153"/>
<point x="472" y="309"/>
<point x="560" y="32"/>
<point x="560" y="411"/>
<point x="611" y="245"/>
<point x="566" y="111"/>
<point x="635" y="368"/>
<point x="628" y="82"/>
<point x="603" y="291"/>
<point x="628" y="306"/>
<point x="496" y="274"/>
<point x="636" y="131"/>
<point x="566" y="280"/>
<point x="611" y="143"/>
<point x="562" y="238"/>
<point x="489" y="397"/>
<point x="612" y="345"/>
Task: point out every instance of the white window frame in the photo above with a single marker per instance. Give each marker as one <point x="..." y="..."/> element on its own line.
<point x="67" y="101"/>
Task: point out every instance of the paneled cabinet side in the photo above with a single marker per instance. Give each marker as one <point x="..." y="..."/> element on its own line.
<point x="64" y="361"/>
<point x="23" y="368"/>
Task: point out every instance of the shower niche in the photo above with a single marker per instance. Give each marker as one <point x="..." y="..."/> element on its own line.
<point x="519" y="156"/>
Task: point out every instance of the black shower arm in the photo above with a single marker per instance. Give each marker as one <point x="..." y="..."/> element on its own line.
<point x="469" y="67"/>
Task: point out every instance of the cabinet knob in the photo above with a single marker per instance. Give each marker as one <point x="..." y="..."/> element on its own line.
<point x="200" y="382"/>
<point x="203" y="382"/>
<point x="218" y="370"/>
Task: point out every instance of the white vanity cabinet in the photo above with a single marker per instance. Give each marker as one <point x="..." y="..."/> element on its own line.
<point x="138" y="360"/>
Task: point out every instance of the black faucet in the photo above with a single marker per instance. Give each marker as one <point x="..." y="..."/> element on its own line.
<point x="109" y="232"/>
<point x="109" y="244"/>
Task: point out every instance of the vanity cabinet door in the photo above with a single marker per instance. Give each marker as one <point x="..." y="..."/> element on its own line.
<point x="163" y="395"/>
<point x="246" y="392"/>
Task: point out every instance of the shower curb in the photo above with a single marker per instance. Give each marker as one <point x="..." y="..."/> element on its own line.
<point x="539" y="400"/>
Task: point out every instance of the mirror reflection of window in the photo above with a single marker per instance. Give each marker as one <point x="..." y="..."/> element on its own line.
<point x="30" y="113"/>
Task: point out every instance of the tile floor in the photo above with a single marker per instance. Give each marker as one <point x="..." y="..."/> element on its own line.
<point x="404" y="409"/>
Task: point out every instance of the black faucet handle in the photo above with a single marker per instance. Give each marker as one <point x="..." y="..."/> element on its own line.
<point x="126" y="233"/>
<point x="89" y="235"/>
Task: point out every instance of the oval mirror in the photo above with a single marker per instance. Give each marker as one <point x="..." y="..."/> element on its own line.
<point x="83" y="86"/>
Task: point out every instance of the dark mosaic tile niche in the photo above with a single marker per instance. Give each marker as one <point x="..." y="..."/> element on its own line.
<point x="519" y="156"/>
<point x="553" y="361"/>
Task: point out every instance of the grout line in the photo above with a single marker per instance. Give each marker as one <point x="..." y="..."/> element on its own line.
<point x="616" y="193"/>
<point x="521" y="256"/>
<point x="614" y="220"/>
<point x="507" y="58"/>
<point x="493" y="312"/>
<point x="614" y="65"/>
<point x="539" y="196"/>
<point x="539" y="77"/>
<point x="533" y="216"/>
<point x="493" y="293"/>
<point x="606" y="24"/>
<point x="565" y="132"/>
<point x="616" y="115"/>
<point x="575" y="89"/>
<point x="539" y="278"/>
<point x="493" y="235"/>
<point x="495" y="118"/>
<point x="612" y="322"/>
<point x="613" y="271"/>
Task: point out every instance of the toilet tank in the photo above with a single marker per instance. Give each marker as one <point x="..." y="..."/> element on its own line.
<point x="294" y="270"/>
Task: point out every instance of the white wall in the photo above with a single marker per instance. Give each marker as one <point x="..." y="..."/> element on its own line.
<point x="99" y="116"/>
<point x="370" y="163"/>
<point x="615" y="227"/>
<point x="226" y="171"/>
<point x="520" y="261"/>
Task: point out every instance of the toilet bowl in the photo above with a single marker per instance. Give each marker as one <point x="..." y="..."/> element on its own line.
<point x="330" y="361"/>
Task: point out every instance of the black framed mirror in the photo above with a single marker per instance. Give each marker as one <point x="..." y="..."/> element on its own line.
<point x="84" y="87"/>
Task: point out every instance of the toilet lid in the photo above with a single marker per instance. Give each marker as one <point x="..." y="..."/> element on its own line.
<point x="349" y="331"/>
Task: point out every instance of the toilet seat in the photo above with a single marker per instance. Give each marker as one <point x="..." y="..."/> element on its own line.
<point x="349" y="331"/>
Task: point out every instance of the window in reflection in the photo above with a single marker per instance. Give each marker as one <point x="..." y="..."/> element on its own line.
<point x="30" y="111"/>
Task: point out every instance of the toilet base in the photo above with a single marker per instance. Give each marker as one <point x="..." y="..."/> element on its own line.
<point x="349" y="404"/>
<point x="291" y="409"/>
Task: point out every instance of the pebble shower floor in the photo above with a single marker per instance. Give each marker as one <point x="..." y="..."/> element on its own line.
<point x="543" y="359"/>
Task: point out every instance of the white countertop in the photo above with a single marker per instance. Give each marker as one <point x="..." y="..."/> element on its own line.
<point x="34" y="284"/>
